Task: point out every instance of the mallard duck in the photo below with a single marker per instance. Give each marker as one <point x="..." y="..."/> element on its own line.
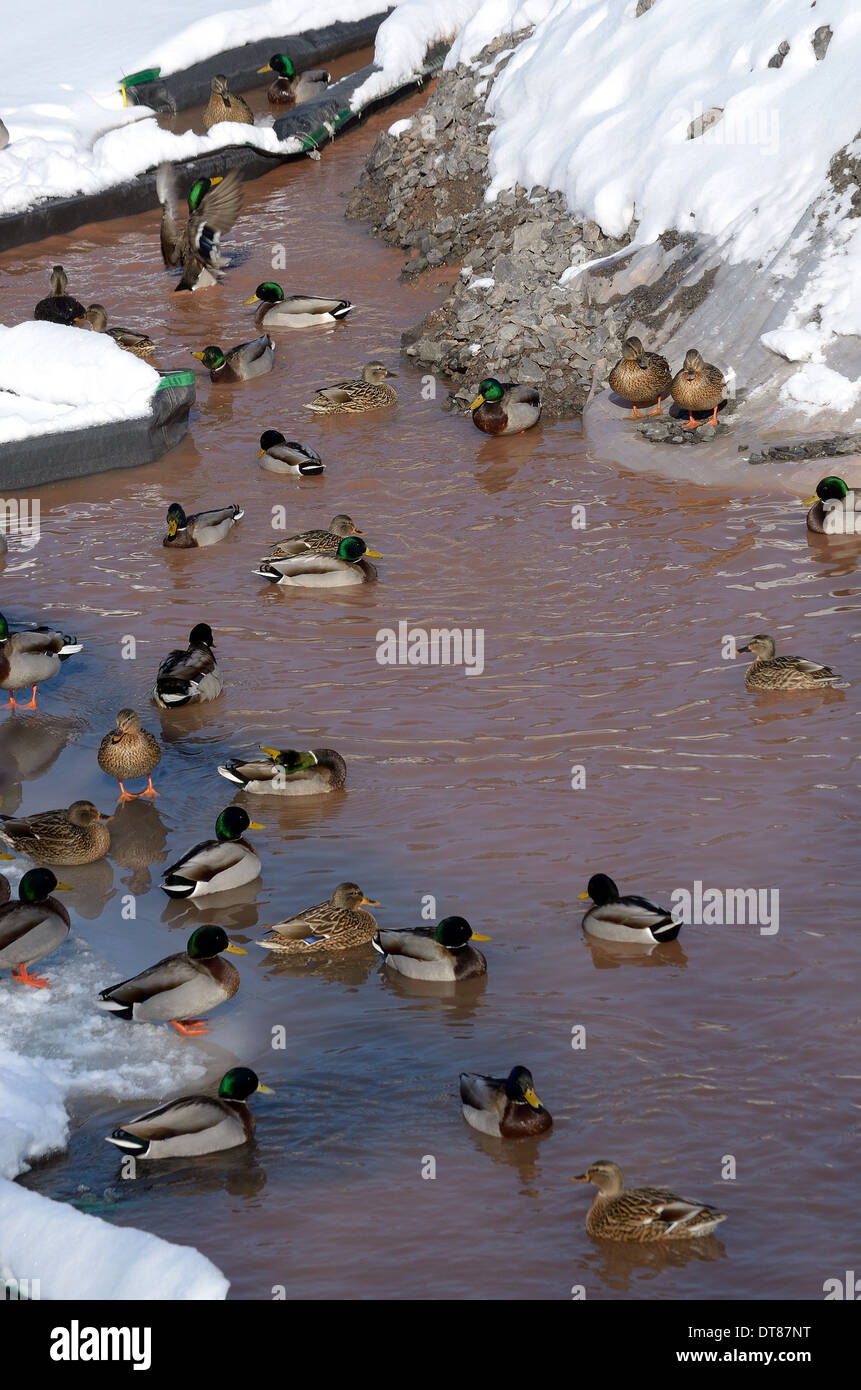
<point x="278" y="310"/>
<point x="291" y="88"/>
<point x="77" y="835"/>
<point x="194" y="1125"/>
<point x="288" y="772"/>
<point x="641" y="377"/>
<point x="191" y="676"/>
<point x="201" y="528"/>
<point x="128" y="752"/>
<point x="317" y="542"/>
<point x="336" y="925"/>
<point x="140" y="344"/>
<point x="213" y="207"/>
<point x="216" y="865"/>
<point x="629" y="918"/>
<point x="59" y="307"/>
<point x="369" y="392"/>
<point x="505" y="408"/>
<point x="224" y="105"/>
<point x="504" y="1107"/>
<point x="281" y="456"/>
<point x="29" y="657"/>
<point x="313" y="571"/>
<point x="443" y="952"/>
<point x="831" y="521"/>
<point x="179" y="989"/>
<point x="240" y="363"/>
<point x="770" y="672"/>
<point x="642" y="1213"/>
<point x="698" y="386"/>
<point x="32" y="927"/>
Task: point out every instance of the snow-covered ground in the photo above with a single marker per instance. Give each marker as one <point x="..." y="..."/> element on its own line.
<point x="56" y="1047"/>
<point x="675" y="118"/>
<point x="60" y="96"/>
<point x="58" y="378"/>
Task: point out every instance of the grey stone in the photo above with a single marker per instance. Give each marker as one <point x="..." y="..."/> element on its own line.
<point x="821" y="39"/>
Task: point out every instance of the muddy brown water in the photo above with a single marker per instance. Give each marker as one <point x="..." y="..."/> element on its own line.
<point x="603" y="650"/>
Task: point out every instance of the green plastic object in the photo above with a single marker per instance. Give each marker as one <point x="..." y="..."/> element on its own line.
<point x="176" y="379"/>
<point x="135" y="79"/>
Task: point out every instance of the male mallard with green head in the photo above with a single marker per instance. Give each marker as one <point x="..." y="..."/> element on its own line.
<point x="189" y="676"/>
<point x="31" y="656"/>
<point x="59" y="307"/>
<point x="200" y="528"/>
<point x="194" y="1125"/>
<point x="339" y="924"/>
<point x="613" y="917"/>
<point x="505" y="408"/>
<point x="830" y="506"/>
<point x="503" y="1107"/>
<point x="74" y="835"/>
<point x="698" y="386"/>
<point x="291" y="88"/>
<point x="288" y="772"/>
<point x="224" y="105"/>
<point x="182" y="988"/>
<point x="312" y="570"/>
<point x="444" y="952"/>
<point x="240" y="363"/>
<point x="641" y="377"/>
<point x="277" y="310"/>
<point x="642" y="1214"/>
<point x="128" y="752"/>
<point x="280" y="455"/>
<point x="368" y="392"/>
<point x="216" y="866"/>
<point x="129" y="339"/>
<point x="770" y="672"/>
<point x="213" y="207"/>
<point x="33" y="926"/>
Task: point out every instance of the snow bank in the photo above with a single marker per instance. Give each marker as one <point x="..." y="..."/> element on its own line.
<point x="58" y="378"/>
<point x="74" y="1255"/>
<point x="56" y="1047"/>
<point x="69" y="131"/>
<point x="719" y="121"/>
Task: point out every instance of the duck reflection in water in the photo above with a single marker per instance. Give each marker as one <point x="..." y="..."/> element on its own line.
<point x="619" y="1266"/>
<point x="92" y="889"/>
<point x="350" y="968"/>
<point x="138" y="839"/>
<point x="30" y="744"/>
<point x="236" y="909"/>
<point x="612" y="955"/>
<point x="456" y="1001"/>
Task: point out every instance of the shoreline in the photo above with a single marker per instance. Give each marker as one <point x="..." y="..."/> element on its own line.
<point x="544" y="298"/>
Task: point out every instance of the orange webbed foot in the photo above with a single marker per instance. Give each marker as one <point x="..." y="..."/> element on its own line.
<point x="692" y="424"/>
<point x="150" y="790"/>
<point x="127" y="796"/>
<point x="191" y="1027"/>
<point x="636" y="415"/>
<point x="23" y="976"/>
<point x="657" y="410"/>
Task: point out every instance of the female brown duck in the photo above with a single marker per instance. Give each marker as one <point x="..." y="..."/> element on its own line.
<point x="698" y="386"/>
<point x="641" y="377"/>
